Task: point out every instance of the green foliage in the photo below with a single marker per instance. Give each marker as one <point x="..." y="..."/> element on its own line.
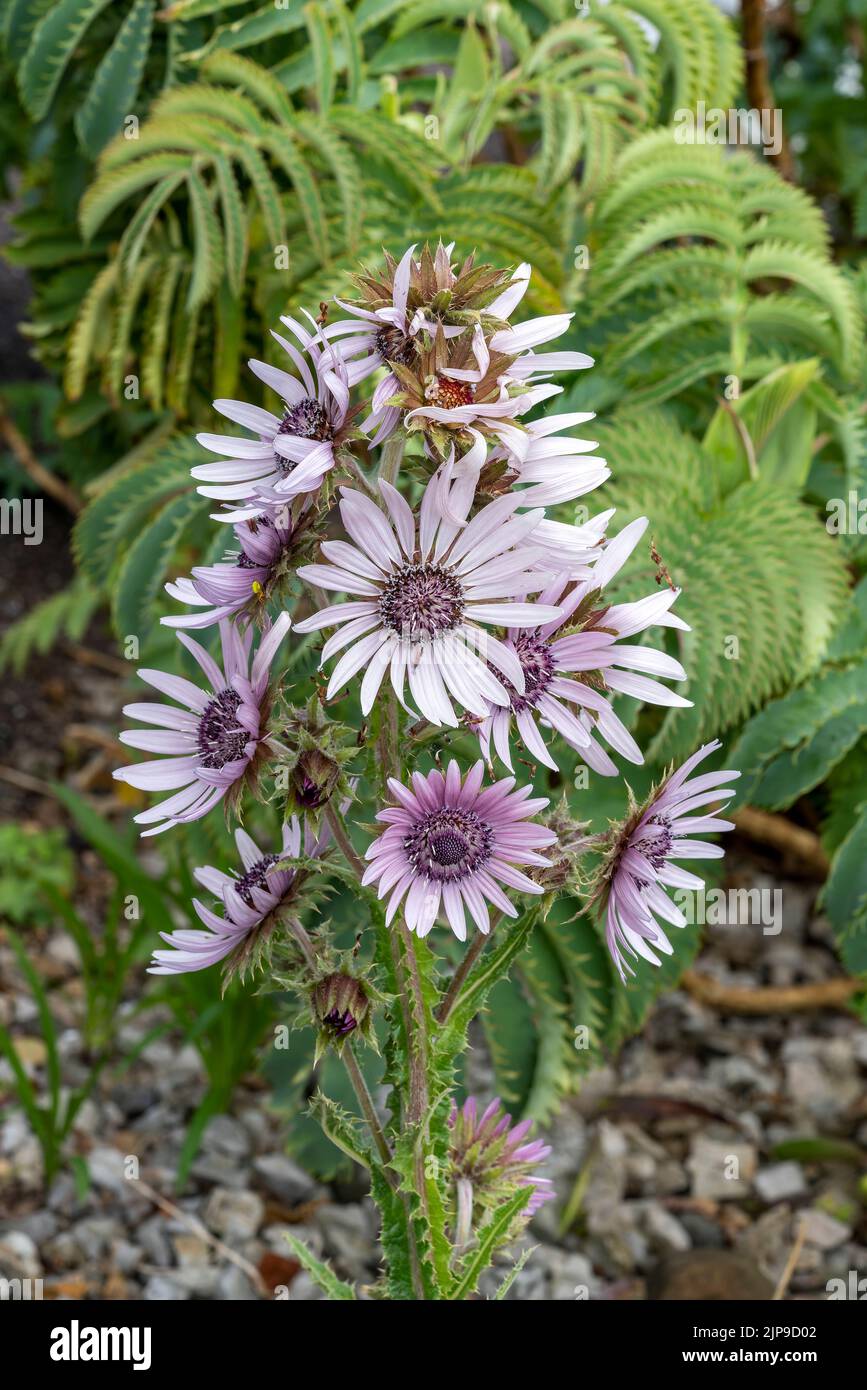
<point x="32" y="861"/>
<point x="721" y="267"/>
<point x="64" y="614"/>
<point x="322" y="1275"/>
<point x="738" y="546"/>
<point x="116" y="81"/>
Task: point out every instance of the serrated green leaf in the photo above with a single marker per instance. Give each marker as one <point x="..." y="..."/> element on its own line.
<point x="207" y="245"/>
<point x="52" y="44"/>
<point x="321" y="1273"/>
<point x="116" y="81"/>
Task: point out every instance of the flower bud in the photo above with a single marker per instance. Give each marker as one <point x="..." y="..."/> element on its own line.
<point x="341" y="1005"/>
<point x="314" y="778"/>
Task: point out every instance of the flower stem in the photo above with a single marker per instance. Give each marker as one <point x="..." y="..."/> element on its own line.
<point x="392" y="455"/>
<point x="463" y="970"/>
<point x="341" y="836"/>
<point x="365" y="1100"/>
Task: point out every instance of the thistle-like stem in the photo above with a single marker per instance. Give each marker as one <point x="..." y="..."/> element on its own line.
<point x="389" y="738"/>
<point x="392" y="456"/>
<point x="341" y="836"/>
<point x="308" y="950"/>
<point x="358" y="473"/>
<point x="419" y="1091"/>
<point x="368" y="1109"/>
<point x="354" y="1072"/>
<point x="463" y="970"/>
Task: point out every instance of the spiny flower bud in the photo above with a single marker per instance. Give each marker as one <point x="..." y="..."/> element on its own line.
<point x="314" y="778"/>
<point x="341" y="1005"/>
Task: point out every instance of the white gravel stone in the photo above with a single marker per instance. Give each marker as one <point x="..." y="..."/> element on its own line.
<point x="780" y="1182"/>
<point x="235" y="1214"/>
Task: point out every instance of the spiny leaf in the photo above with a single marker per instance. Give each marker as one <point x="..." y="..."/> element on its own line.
<point x="321" y="1274"/>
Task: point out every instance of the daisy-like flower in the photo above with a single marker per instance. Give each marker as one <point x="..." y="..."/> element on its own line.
<point x="465" y="384"/>
<point x="639" y="867"/>
<point x="293" y="451"/>
<point x="491" y="1159"/>
<point x="244" y="580"/>
<point x="423" y="597"/>
<point x="378" y="337"/>
<point x="252" y="902"/>
<point x="450" y="845"/>
<point x="212" y="742"/>
<point x="585" y="640"/>
<point x="565" y="548"/>
<point x="415" y="295"/>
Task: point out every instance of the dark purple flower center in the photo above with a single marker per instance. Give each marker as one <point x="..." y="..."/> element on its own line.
<point x="449" y="844"/>
<point x="221" y="739"/>
<point x="395" y="346"/>
<point x="422" y="601"/>
<point x="255" y="877"/>
<point x="340" y="1024"/>
<point x="655" y="842"/>
<point x="537" y="663"/>
<point x="306" y="419"/>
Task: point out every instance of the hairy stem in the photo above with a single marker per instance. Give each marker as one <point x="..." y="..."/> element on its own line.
<point x="470" y="957"/>
<point x="354" y="1072"/>
<point x="341" y="836"/>
<point x="392" y="455"/>
<point x="368" y="1109"/>
<point x="419" y="1091"/>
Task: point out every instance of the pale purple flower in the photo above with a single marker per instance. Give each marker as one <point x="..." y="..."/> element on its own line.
<point x="243" y="579"/>
<point x="422" y="598"/>
<point x="639" y="866"/>
<point x="450" y="399"/>
<point x="450" y="845"/>
<point x="553" y="660"/>
<point x="211" y="743"/>
<point x="248" y="900"/>
<point x="564" y="547"/>
<point x="291" y="452"/>
<point x="490" y="1158"/>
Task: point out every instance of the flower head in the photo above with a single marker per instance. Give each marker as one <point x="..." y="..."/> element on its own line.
<point x="418" y="294"/>
<point x="573" y="663"/>
<point x="244" y="580"/>
<point x="639" y="866"/>
<point x="252" y="903"/>
<point x="212" y="742"/>
<point x="450" y="845"/>
<point x="422" y="598"/>
<point x="291" y="452"/>
<point x="490" y="1161"/>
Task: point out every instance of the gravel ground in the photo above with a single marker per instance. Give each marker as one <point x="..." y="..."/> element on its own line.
<point x="666" y="1159"/>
